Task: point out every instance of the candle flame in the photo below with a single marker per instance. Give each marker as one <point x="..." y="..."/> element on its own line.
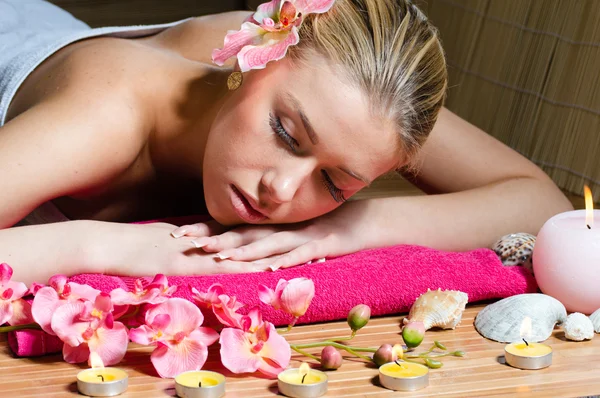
<point x="398" y="351"/>
<point x="589" y="206"/>
<point x="526" y="328"/>
<point x="304" y="369"/>
<point x="96" y="361"/>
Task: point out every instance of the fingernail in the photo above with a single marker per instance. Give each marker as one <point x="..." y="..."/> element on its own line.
<point x="222" y="256"/>
<point x="274" y="267"/>
<point x="179" y="232"/>
<point x="321" y="260"/>
<point x="198" y="245"/>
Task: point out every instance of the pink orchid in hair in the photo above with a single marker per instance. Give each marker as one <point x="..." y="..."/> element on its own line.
<point x="268" y="33"/>
<point x="293" y="296"/>
<point x="156" y="292"/>
<point x="223" y="306"/>
<point x="255" y="347"/>
<point x="87" y="327"/>
<point x="10" y="295"/>
<point x="48" y="298"/>
<point x="174" y="326"/>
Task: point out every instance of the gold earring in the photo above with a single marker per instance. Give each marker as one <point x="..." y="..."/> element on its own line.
<point x="234" y="81"/>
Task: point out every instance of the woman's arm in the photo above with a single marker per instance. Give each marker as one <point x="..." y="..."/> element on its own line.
<point x="37" y="252"/>
<point x="481" y="190"/>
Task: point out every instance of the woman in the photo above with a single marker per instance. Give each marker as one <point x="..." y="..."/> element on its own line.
<point x="140" y="124"/>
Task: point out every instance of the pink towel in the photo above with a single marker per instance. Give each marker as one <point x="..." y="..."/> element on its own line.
<point x="388" y="280"/>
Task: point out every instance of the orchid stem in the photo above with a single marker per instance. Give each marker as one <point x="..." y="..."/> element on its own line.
<point x="289" y="327"/>
<point x="352" y="335"/>
<point x="425" y="355"/>
<point x="306" y="354"/>
<point x="5" y="329"/>
<point x="352" y="350"/>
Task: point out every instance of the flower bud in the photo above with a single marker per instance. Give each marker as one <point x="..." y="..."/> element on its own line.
<point x="386" y="353"/>
<point x="359" y="316"/>
<point x="383" y="355"/>
<point x="439" y="345"/>
<point x="331" y="358"/>
<point x="433" y="364"/>
<point x="413" y="334"/>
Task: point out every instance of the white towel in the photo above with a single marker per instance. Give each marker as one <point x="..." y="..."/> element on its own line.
<point x="33" y="30"/>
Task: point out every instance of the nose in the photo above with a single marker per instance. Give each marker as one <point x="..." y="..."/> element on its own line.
<point x="283" y="182"/>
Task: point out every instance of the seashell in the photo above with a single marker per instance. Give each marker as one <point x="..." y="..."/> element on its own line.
<point x="578" y="327"/>
<point x="501" y="321"/>
<point x="595" y="318"/>
<point x="438" y="308"/>
<point x="515" y="249"/>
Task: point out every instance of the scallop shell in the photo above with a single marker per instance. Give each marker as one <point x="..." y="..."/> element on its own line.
<point x="501" y="321"/>
<point x="595" y="318"/>
<point x="438" y="308"/>
<point x="578" y="327"/>
<point x="515" y="249"/>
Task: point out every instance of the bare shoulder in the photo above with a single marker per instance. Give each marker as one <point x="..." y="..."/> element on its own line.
<point x="76" y="124"/>
<point x="195" y="39"/>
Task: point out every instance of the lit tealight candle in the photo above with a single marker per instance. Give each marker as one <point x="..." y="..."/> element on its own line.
<point x="302" y="383"/>
<point x="403" y="376"/>
<point x="566" y="257"/>
<point x="100" y="381"/>
<point x="528" y="355"/>
<point x="200" y="384"/>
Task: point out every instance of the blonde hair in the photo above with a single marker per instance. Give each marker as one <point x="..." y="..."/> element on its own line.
<point x="394" y="54"/>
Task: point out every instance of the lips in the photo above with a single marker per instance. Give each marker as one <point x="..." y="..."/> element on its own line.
<point x="245" y="208"/>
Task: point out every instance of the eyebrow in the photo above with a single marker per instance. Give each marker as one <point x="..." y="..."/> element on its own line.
<point x="314" y="138"/>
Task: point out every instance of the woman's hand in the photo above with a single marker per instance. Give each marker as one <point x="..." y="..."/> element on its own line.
<point x="148" y="249"/>
<point x="340" y="232"/>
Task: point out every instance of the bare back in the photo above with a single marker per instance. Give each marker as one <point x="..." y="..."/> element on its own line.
<point x="80" y="128"/>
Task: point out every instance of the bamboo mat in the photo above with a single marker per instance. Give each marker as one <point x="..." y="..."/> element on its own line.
<point x="575" y="370"/>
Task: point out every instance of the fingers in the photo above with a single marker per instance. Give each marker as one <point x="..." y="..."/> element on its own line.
<point x="279" y="242"/>
<point x="303" y="254"/>
<point x="198" y="230"/>
<point x="232" y="239"/>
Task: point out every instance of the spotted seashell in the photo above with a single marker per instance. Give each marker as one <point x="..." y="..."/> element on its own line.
<point x="515" y="249"/>
<point x="578" y="327"/>
<point x="438" y="308"/>
<point x="501" y="321"/>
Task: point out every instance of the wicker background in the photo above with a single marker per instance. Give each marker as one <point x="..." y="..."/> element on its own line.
<point x="525" y="71"/>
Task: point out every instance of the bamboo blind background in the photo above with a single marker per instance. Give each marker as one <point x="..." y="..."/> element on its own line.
<point x="527" y="72"/>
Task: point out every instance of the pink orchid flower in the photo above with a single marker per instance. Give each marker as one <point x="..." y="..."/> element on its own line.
<point x="156" y="292"/>
<point x="268" y="33"/>
<point x="255" y="347"/>
<point x="206" y="300"/>
<point x="293" y="296"/>
<point x="49" y="298"/>
<point x="174" y="326"/>
<point x="10" y="293"/>
<point x="87" y="327"/>
<point x="223" y="306"/>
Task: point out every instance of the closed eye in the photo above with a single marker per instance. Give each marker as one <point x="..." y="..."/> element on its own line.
<point x="277" y="127"/>
<point x="275" y="123"/>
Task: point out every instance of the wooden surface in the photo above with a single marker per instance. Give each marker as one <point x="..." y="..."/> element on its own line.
<point x="575" y="370"/>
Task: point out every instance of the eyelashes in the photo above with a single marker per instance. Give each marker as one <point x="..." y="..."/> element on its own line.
<point x="277" y="127"/>
<point x="279" y="130"/>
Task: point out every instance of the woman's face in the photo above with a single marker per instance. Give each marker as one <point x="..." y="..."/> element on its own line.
<point x="292" y="143"/>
